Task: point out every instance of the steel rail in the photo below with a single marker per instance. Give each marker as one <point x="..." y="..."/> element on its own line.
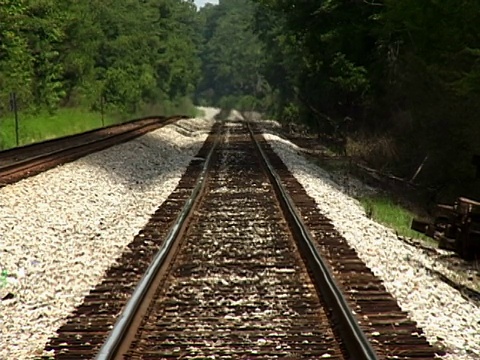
<point x="356" y="341"/>
<point x="117" y="334"/>
<point x="19" y="165"/>
<point x="32" y="146"/>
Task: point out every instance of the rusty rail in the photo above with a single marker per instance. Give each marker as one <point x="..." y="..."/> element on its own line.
<point x="118" y="332"/>
<point x="355" y="340"/>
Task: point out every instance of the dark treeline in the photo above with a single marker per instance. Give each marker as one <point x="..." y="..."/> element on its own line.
<point x="232" y="56"/>
<point x="398" y="80"/>
<point x="71" y="53"/>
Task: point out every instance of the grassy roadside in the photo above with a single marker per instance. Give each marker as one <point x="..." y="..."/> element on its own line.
<point x="182" y="106"/>
<point x="381" y="207"/>
<point x="385" y="211"/>
<point x="44" y="125"/>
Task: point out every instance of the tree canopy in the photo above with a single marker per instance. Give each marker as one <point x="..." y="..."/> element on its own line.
<point x="397" y="80"/>
<point x="232" y="56"/>
<point x="75" y="52"/>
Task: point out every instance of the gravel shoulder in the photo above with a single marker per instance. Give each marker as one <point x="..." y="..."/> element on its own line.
<point x="60" y="230"/>
<point x="448" y="320"/>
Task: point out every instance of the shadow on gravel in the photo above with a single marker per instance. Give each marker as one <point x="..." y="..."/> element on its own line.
<point x="140" y="162"/>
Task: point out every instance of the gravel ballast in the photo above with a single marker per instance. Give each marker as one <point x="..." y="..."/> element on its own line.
<point x="448" y="320"/>
<point x="60" y="230"/>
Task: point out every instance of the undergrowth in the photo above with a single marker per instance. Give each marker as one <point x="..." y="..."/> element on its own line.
<point x="40" y="126"/>
<point x="36" y="127"/>
<point x="389" y="213"/>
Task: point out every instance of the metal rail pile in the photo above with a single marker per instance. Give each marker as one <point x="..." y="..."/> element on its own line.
<point x="456" y="227"/>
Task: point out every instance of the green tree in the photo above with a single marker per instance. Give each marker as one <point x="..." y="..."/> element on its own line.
<point x="16" y="62"/>
<point x="232" y="56"/>
<point x="71" y="53"/>
<point x="402" y="70"/>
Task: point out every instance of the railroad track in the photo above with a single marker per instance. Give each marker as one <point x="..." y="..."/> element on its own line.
<point x="239" y="276"/>
<point x="18" y="163"/>
<point x="460" y="274"/>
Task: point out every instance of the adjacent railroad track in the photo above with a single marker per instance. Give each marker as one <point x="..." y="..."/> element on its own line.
<point x="238" y="263"/>
<point x="18" y="163"/>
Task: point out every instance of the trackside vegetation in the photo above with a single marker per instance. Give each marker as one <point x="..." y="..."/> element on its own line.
<point x="44" y="125"/>
<point x="386" y="211"/>
<point x="396" y="81"/>
<point x="69" y="62"/>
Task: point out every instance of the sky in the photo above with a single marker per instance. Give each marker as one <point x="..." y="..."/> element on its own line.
<point x="200" y="3"/>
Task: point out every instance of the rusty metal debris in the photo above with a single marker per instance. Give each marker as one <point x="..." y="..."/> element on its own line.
<point x="456" y="227"/>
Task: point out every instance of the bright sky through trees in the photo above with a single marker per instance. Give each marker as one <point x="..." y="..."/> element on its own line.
<point x="201" y="3"/>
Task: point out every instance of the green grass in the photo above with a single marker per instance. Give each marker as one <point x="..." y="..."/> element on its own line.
<point x="199" y="113"/>
<point x="3" y="278"/>
<point x="387" y="212"/>
<point x="182" y="106"/>
<point x="43" y="125"/>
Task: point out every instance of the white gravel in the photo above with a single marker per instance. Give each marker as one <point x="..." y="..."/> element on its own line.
<point x="60" y="230"/>
<point x="448" y="319"/>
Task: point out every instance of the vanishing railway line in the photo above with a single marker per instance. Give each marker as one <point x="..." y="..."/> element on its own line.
<point x="22" y="162"/>
<point x="237" y="287"/>
<point x="239" y="276"/>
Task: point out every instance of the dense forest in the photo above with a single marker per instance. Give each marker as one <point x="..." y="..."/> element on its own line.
<point x="397" y="81"/>
<point x="75" y="53"/>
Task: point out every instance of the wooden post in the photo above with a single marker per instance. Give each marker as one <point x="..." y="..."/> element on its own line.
<point x="101" y="109"/>
<point x="13" y="107"/>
